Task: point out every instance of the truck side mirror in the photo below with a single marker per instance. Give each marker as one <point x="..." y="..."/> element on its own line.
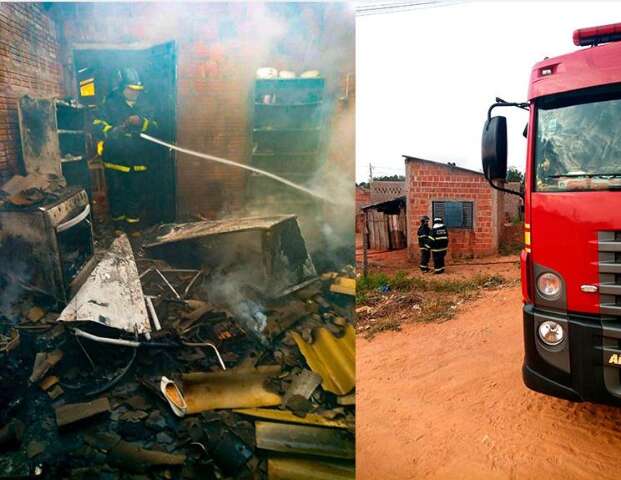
<point x="494" y="148"/>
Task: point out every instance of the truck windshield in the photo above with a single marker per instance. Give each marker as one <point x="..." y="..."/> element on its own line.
<point x="578" y="146"/>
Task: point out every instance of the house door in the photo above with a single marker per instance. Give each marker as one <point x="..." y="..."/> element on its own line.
<point x="157" y="65"/>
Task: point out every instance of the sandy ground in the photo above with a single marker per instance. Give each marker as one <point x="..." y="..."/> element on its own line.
<point x="446" y="401"/>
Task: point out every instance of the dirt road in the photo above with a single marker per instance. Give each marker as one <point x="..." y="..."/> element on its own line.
<point x="446" y="401"/>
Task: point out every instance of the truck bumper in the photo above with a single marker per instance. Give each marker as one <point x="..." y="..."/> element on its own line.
<point x="579" y="369"/>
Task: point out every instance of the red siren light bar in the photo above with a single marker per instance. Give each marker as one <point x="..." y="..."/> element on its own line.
<point x="596" y="35"/>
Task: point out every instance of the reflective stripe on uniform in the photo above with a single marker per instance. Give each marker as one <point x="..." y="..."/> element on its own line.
<point x="119" y="218"/>
<point x="119" y="168"/>
<point x="140" y="168"/>
<point x="145" y="124"/>
<point x="439" y="249"/>
<point x="100" y="147"/>
<point x="441" y="238"/>
<point x="106" y="126"/>
<point x="132" y="220"/>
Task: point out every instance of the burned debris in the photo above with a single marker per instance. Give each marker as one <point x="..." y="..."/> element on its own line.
<point x="161" y="243"/>
<point x="201" y="350"/>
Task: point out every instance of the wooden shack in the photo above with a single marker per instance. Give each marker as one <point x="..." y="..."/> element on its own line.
<point x="386" y="224"/>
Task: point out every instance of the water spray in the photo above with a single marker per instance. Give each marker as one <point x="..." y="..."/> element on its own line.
<point x="238" y="165"/>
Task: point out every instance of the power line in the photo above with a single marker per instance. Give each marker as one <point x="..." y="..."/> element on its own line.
<point x="375" y="8"/>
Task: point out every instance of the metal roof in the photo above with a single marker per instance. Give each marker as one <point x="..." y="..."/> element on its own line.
<point x="396" y="200"/>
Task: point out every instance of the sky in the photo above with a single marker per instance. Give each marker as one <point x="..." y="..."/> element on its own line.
<point x="426" y="77"/>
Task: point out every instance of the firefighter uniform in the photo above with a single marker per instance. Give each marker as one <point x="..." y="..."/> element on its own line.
<point x="438" y="241"/>
<point x="123" y="153"/>
<point x="423" y="243"/>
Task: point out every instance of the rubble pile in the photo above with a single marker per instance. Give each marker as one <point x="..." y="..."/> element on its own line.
<point x="147" y="373"/>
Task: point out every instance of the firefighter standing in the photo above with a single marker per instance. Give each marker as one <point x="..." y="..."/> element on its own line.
<point x="438" y="241"/>
<point x="423" y="243"/>
<point x="117" y="126"/>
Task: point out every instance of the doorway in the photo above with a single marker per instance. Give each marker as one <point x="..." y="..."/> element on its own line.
<point x="96" y="67"/>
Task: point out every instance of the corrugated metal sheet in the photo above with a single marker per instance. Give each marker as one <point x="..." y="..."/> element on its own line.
<point x="234" y="388"/>
<point x="344" y="285"/>
<point x="305" y="440"/>
<point x="112" y="294"/>
<point x="332" y="358"/>
<point x="176" y="232"/>
<point x="302" y="469"/>
<point x="287" y="416"/>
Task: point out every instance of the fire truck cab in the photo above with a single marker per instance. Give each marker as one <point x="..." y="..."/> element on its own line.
<point x="571" y="261"/>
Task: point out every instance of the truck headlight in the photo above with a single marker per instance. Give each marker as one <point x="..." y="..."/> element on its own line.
<point x="549" y="285"/>
<point x="551" y="333"/>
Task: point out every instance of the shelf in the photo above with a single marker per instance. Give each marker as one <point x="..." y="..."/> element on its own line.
<point x="296" y="79"/>
<point x="286" y="130"/>
<point x="70" y="132"/>
<point x="285" y="105"/>
<point x="284" y="154"/>
<point x="72" y="159"/>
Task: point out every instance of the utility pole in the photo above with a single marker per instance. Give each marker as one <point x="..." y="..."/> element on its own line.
<point x="365" y="232"/>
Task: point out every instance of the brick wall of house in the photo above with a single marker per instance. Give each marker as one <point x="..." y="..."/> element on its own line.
<point x="430" y="181"/>
<point x="382" y="190"/>
<point x="512" y="203"/>
<point x="29" y="64"/>
<point x="363" y="197"/>
<point x="220" y="46"/>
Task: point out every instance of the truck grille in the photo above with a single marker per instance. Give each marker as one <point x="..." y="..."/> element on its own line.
<point x="609" y="247"/>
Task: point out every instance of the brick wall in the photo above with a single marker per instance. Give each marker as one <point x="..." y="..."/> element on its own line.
<point x="382" y="190"/>
<point x="363" y="197"/>
<point x="220" y="46"/>
<point x="430" y="181"/>
<point x="29" y="64"/>
<point x="512" y="203"/>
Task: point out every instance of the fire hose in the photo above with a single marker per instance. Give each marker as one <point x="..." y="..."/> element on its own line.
<point x="224" y="161"/>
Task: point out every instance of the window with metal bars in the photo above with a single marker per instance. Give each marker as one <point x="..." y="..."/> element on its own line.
<point x="454" y="214"/>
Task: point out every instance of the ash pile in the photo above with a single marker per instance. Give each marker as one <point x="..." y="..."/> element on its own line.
<point x="200" y="350"/>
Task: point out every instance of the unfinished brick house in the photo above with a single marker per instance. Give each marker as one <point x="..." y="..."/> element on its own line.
<point x="202" y="57"/>
<point x="363" y="197"/>
<point x="471" y="209"/>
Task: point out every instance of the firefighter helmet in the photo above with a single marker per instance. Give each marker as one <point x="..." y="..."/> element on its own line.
<point x="437" y="220"/>
<point x="424" y="218"/>
<point x="128" y="77"/>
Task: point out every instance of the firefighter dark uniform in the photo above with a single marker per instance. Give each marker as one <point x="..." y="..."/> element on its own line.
<point x="438" y="241"/>
<point x="123" y="151"/>
<point x="423" y="243"/>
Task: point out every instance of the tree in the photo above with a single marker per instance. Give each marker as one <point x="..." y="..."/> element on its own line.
<point x="514" y="175"/>
<point x="390" y="178"/>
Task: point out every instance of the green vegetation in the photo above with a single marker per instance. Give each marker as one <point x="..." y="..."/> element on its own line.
<point x="379" y="281"/>
<point x="384" y="301"/>
<point x="510" y="248"/>
<point x="514" y="175"/>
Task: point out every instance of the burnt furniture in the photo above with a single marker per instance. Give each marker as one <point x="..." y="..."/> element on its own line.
<point x="54" y="136"/>
<point x="47" y="248"/>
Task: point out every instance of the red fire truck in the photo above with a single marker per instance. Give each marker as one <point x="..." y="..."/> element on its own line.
<point x="571" y="261"/>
